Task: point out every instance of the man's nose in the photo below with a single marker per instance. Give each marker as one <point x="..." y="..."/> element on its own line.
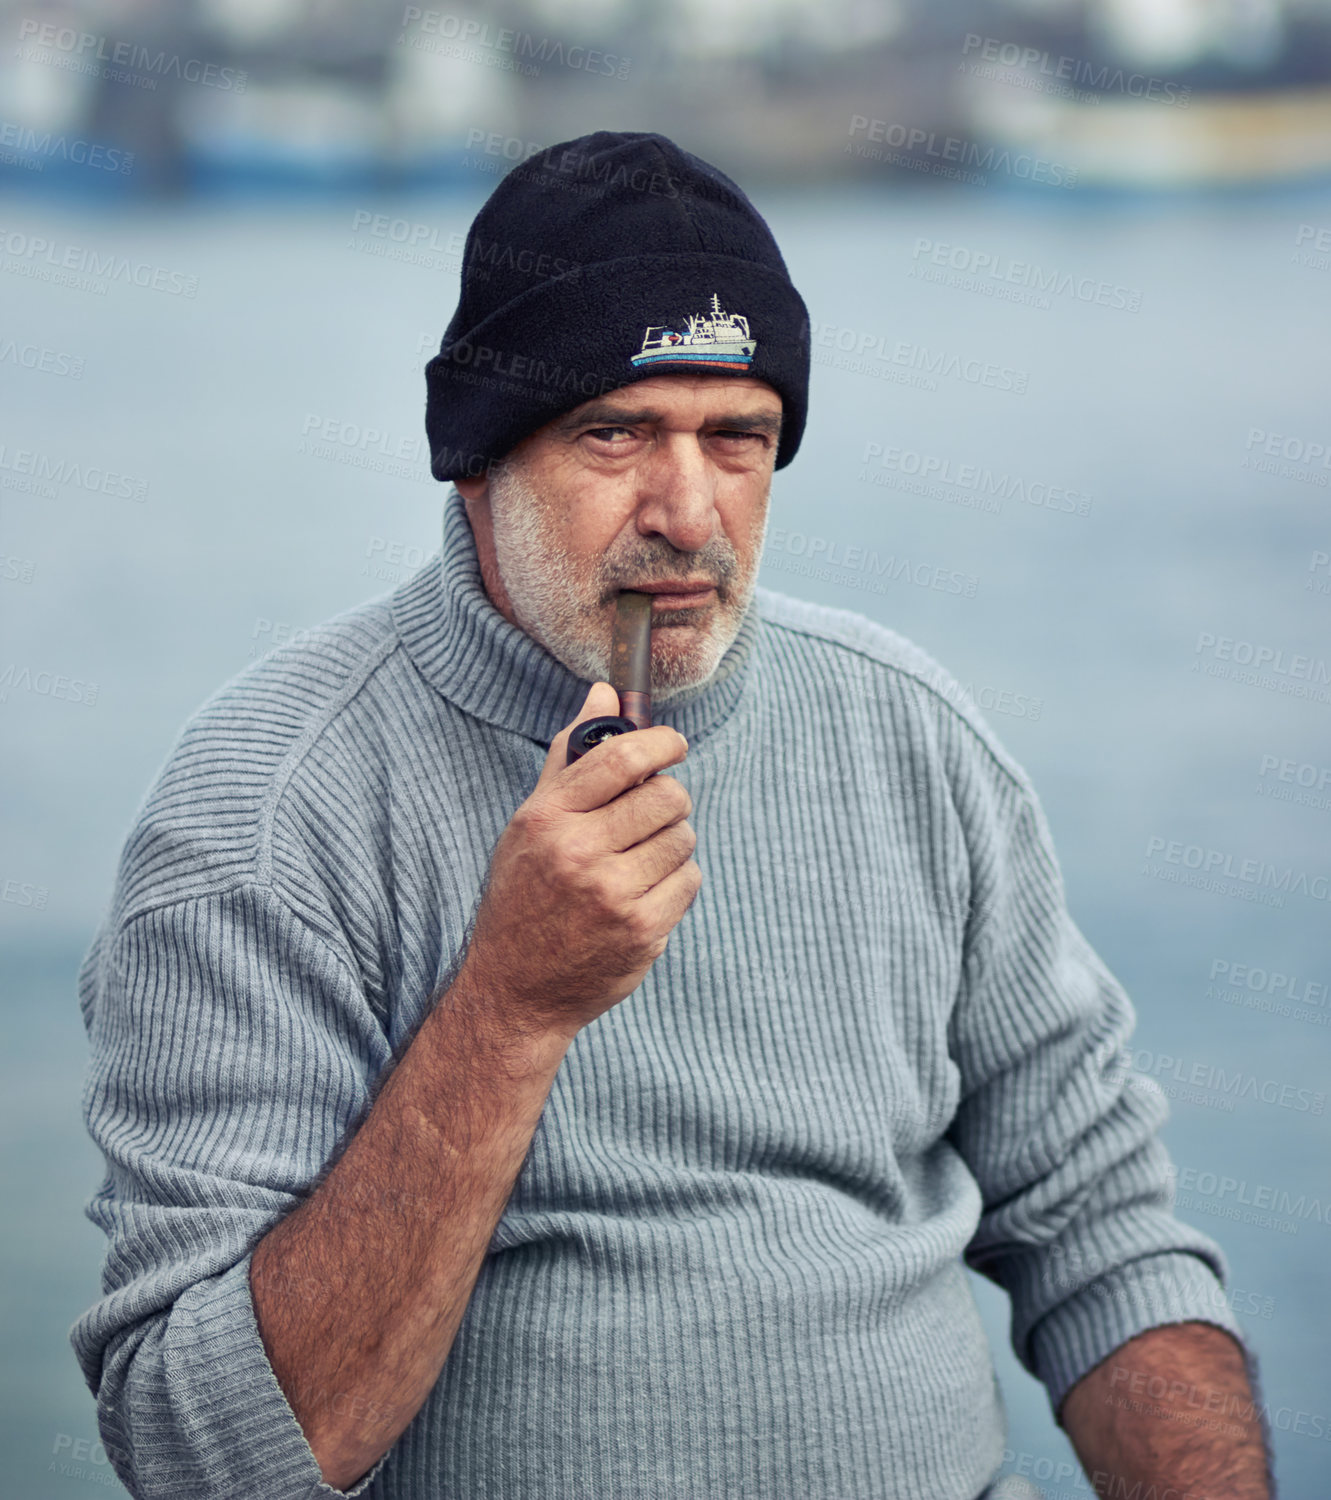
<point x="677" y="493"/>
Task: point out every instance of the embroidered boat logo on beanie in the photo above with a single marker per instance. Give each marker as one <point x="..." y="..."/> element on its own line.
<point x="715" y="340"/>
<point x="659" y="247"/>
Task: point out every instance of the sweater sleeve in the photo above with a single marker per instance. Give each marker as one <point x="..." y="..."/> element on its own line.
<point x="1077" y="1224"/>
<point x="231" y="1051"/>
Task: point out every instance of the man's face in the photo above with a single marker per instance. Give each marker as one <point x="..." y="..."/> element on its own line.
<point x="665" y="480"/>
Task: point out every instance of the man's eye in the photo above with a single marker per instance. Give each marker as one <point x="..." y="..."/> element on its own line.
<point x="602" y="432"/>
<point x="737" y="432"/>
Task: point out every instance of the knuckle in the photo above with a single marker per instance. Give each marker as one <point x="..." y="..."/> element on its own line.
<point x="648" y="747"/>
<point x="635" y="750"/>
<point x="680" y="845"/>
<point x="642" y="928"/>
<point x="572" y="868"/>
<point x="619" y="894"/>
<point x="674" y="799"/>
<point x="532" y="819"/>
<point x="598" y="890"/>
<point x="575" y="852"/>
<point x="680" y="795"/>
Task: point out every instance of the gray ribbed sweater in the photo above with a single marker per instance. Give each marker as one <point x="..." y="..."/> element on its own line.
<point x="732" y="1265"/>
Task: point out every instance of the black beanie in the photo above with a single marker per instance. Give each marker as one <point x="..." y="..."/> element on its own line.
<point x="608" y="259"/>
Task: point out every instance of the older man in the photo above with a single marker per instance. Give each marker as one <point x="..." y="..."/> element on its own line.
<point x="479" y="1124"/>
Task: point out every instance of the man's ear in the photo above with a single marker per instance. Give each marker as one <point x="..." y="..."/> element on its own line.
<point x="471" y="487"/>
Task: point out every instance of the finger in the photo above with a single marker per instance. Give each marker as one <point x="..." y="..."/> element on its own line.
<point x="647" y="864"/>
<point x="672" y="895"/>
<point x="659" y="803"/>
<point x="601" y="699"/>
<point x="615" y="765"/>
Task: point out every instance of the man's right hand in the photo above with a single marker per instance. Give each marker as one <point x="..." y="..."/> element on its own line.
<point x="588" y="879"/>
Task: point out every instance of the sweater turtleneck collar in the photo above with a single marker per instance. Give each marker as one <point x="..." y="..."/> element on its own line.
<point x="498" y="673"/>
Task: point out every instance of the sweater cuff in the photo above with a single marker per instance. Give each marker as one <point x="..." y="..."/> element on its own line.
<point x="1078" y="1334"/>
<point x="237" y="1414"/>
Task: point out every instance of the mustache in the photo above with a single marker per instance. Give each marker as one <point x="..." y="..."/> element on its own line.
<point x="718" y="568"/>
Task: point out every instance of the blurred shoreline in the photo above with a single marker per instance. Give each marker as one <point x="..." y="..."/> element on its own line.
<point x="152" y="100"/>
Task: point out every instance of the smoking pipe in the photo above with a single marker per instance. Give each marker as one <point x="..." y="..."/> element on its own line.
<point x="630" y="676"/>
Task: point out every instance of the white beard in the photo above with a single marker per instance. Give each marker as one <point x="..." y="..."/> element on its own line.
<point x="563" y="606"/>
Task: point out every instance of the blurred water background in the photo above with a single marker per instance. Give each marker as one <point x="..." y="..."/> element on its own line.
<point x="1098" y="412"/>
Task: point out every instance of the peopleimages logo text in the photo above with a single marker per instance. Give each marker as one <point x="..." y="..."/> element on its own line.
<point x="1218" y="862"/>
<point x="57" y="147"/>
<point x="1234" y="1084"/>
<point x="1256" y="1196"/>
<point x="124" y="59"/>
<point x="958" y="151"/>
<point x="1100" y="77"/>
<point x="977" y="266"/>
<point x="1259" y="665"/>
<point x="506" y="43"/>
<point x="976" y="477"/>
<point x="41" y="255"/>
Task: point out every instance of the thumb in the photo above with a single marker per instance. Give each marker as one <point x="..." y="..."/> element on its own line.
<point x="601" y="700"/>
